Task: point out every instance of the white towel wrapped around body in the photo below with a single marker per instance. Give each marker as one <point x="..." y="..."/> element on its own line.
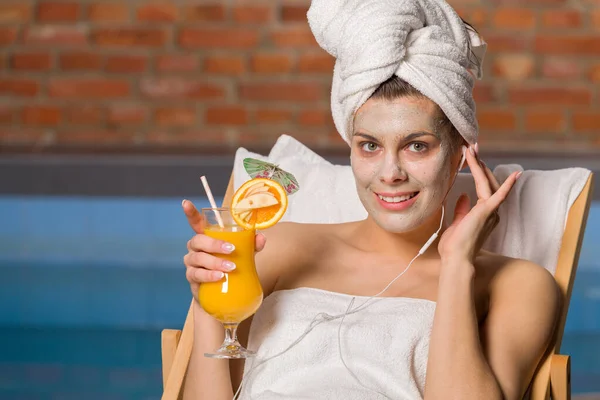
<point x="424" y="42"/>
<point x="385" y="345"/>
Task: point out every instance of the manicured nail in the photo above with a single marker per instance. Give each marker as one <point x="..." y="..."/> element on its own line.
<point x="183" y="203"/>
<point x="227" y="247"/>
<point x="519" y="175"/>
<point x="218" y="275"/>
<point x="471" y="150"/>
<point x="228" y="265"/>
<point x="477" y="149"/>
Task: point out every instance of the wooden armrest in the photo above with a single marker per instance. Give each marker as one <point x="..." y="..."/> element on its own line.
<point x="560" y="377"/>
<point x="169" y="340"/>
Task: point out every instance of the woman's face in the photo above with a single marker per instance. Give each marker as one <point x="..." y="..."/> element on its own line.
<point x="402" y="161"/>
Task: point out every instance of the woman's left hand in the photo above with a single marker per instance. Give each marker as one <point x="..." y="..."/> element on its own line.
<point x="463" y="239"/>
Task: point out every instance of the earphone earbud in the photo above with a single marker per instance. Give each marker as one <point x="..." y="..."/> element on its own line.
<point x="463" y="158"/>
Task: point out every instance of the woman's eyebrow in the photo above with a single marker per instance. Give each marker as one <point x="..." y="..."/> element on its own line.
<point x="367" y="137"/>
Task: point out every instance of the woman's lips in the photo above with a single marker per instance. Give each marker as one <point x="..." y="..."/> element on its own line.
<point x="395" y="206"/>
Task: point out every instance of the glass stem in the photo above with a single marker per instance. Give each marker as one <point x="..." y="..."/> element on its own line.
<point x="231" y="335"/>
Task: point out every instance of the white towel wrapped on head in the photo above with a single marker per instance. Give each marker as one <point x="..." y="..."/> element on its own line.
<point x="424" y="42"/>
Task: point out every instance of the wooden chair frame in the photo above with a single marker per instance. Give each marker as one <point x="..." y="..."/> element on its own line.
<point x="553" y="376"/>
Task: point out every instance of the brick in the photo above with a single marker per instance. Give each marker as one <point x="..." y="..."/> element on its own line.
<point x="294" y="13"/>
<point x="126" y="115"/>
<point x="477" y="17"/>
<point x="56" y="35"/>
<point x="514" y="18"/>
<point x="126" y="64"/>
<point x="269" y="91"/>
<point x="231" y="38"/>
<point x="31" y="61"/>
<point x="496" y="120"/>
<point x="15" y="11"/>
<point x="8" y="35"/>
<point x="271" y="63"/>
<point x="595" y="73"/>
<point x="532" y="2"/>
<point x="58" y="11"/>
<point x="80" y="61"/>
<point x="464" y="3"/>
<point x="203" y="12"/>
<point x="316" y="63"/>
<point x="177" y="88"/>
<point x="18" y="87"/>
<point x="157" y="12"/>
<point x="94" y="137"/>
<point x="581" y="45"/>
<point x="177" y="63"/>
<point x="252" y="14"/>
<point x="293" y="37"/>
<point x="499" y="43"/>
<point x="549" y="95"/>
<point x="559" y="68"/>
<point x="41" y="115"/>
<point x="108" y="12"/>
<point x="515" y="67"/>
<point x="127" y="37"/>
<point x="84" y="115"/>
<point x="317" y="117"/>
<point x="544" y="121"/>
<point x="22" y="136"/>
<point x="226" y="115"/>
<point x="6" y="114"/>
<point x="483" y="93"/>
<point x="73" y="88"/>
<point x="3" y="62"/>
<point x="187" y="138"/>
<point x="586" y="121"/>
<point x="561" y="19"/>
<point x="173" y="116"/>
<point x="228" y="65"/>
<point x="595" y="16"/>
<point x="272" y="116"/>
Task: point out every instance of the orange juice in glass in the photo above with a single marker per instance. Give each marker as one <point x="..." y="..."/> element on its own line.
<point x="239" y="294"/>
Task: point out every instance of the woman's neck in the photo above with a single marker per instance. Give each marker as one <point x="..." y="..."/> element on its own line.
<point x="376" y="239"/>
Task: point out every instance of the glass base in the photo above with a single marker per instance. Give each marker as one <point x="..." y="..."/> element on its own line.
<point x="231" y="351"/>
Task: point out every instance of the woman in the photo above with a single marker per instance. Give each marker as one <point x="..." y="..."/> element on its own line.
<point x="460" y="323"/>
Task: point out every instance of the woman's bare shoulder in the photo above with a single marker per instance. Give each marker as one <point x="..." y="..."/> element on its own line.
<point x="292" y="245"/>
<point x="516" y="278"/>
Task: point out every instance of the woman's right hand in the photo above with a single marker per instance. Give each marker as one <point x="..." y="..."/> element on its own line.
<point x="201" y="266"/>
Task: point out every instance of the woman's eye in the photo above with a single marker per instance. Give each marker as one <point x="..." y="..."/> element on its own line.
<point x="417" y="147"/>
<point x="370" y="147"/>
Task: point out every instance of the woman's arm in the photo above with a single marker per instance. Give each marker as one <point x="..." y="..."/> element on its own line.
<point x="497" y="362"/>
<point x="206" y="378"/>
<point x="456" y="367"/>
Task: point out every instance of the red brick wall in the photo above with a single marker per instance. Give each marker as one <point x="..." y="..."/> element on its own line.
<point x="196" y="74"/>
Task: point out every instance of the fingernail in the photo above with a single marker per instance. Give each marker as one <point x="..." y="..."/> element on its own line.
<point x="228" y="265"/>
<point x="472" y="151"/>
<point x="183" y="203"/>
<point x="477" y="148"/>
<point x="519" y="175"/>
<point x="227" y="247"/>
<point x="218" y="275"/>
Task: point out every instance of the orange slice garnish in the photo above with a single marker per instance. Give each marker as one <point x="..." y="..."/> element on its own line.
<point x="259" y="203"/>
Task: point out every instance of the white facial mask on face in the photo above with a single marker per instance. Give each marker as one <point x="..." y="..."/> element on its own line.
<point x="394" y="170"/>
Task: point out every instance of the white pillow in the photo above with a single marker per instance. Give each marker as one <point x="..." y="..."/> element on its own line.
<point x="327" y="192"/>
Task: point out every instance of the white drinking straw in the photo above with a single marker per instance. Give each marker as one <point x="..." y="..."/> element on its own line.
<point x="211" y="199"/>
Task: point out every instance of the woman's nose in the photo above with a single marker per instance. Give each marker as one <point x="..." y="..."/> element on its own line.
<point x="391" y="173"/>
